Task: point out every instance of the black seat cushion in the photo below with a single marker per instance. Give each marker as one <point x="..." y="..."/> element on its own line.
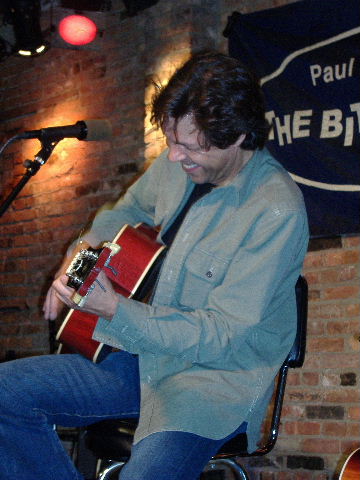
<point x="111" y="439"/>
<point x="236" y="446"/>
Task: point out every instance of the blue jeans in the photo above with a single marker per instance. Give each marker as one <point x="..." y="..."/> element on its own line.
<point x="69" y="390"/>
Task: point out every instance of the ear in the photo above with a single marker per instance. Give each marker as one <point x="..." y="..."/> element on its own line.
<point x="240" y="140"/>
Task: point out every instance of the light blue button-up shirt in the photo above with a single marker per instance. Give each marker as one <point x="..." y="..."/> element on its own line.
<point x="223" y="315"/>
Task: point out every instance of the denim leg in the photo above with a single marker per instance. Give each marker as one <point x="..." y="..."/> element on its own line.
<point x="66" y="390"/>
<point x="172" y="456"/>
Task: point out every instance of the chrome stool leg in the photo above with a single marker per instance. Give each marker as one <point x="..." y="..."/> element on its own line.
<point x="239" y="472"/>
<point x="111" y="468"/>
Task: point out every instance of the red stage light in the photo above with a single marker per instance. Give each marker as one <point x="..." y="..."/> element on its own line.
<point x="77" y="30"/>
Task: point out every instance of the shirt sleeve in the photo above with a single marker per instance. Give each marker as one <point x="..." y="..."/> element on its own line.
<point x="137" y="205"/>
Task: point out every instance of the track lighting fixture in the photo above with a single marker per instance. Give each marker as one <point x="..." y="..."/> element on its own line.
<point x="24" y="15"/>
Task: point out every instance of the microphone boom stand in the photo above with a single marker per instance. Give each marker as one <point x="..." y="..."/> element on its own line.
<point x="32" y="167"/>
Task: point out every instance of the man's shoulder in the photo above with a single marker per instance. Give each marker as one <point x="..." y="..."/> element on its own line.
<point x="274" y="184"/>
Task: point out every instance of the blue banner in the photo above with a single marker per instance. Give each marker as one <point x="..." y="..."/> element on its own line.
<point x="307" y="55"/>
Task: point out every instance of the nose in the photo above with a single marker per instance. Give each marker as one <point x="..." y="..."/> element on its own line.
<point x="176" y="153"/>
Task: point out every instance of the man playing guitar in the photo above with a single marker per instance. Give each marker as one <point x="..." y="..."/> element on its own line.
<point x="196" y="362"/>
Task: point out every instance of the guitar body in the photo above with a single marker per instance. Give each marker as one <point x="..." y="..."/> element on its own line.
<point x="351" y="468"/>
<point x="128" y="262"/>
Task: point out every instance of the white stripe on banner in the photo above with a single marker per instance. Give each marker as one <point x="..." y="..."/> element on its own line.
<point x="288" y="59"/>
<point x="325" y="186"/>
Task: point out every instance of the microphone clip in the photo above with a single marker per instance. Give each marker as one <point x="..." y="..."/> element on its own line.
<point x="41" y="157"/>
<point x="32" y="167"/>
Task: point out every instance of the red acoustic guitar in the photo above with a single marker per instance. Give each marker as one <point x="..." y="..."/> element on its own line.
<point x="351" y="468"/>
<point x="130" y="262"/>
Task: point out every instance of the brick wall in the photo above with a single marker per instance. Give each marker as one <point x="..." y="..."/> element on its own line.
<point x="320" y="421"/>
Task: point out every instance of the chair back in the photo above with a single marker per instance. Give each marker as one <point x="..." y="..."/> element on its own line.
<point x="296" y="356"/>
<point x="237" y="446"/>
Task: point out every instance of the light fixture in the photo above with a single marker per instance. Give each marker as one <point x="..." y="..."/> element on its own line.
<point x="24" y="15"/>
<point x="77" y="30"/>
<point x="133" y="7"/>
<point x="88" y="5"/>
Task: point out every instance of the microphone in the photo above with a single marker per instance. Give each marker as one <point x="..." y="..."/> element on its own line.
<point x="82" y="130"/>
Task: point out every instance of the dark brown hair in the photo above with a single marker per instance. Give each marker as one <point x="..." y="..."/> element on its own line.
<point x="224" y="97"/>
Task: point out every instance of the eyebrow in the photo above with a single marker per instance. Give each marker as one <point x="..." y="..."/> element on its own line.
<point x="189" y="146"/>
<point x="185" y="144"/>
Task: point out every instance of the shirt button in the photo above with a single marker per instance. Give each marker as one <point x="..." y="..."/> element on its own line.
<point x="209" y="274"/>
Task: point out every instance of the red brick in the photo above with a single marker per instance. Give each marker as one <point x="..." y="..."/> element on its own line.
<point x="330" y="378"/>
<point x="343" y="360"/>
<point x="343" y="395"/>
<point x="315" y="327"/>
<point x="342" y="327"/>
<point x="342" y="257"/>
<point x="286" y="476"/>
<point x="320" y="445"/>
<point x="293" y="378"/>
<point x="303" y="395"/>
<point x="12" y="229"/>
<point x="293" y="411"/>
<point x="354" y="413"/>
<point x="312" y="361"/>
<point x="341" y="274"/>
<point x="343" y="292"/>
<point x="12" y="278"/>
<point x="310" y="378"/>
<point x="320" y="476"/>
<point x="351" y="241"/>
<point x="303" y="475"/>
<point x="314" y="294"/>
<point x="268" y="476"/>
<point x="325" y="344"/>
<point x="349" y="445"/>
<point x="312" y="260"/>
<point x="308" y="428"/>
<point x="10" y="330"/>
<point x="289" y="428"/>
<point x="24" y="240"/>
<point x="313" y="277"/>
<point x="13" y="291"/>
<point x="24" y="215"/>
<point x="325" y="311"/>
<point x="334" y="429"/>
<point x="353" y="310"/>
<point x="353" y="430"/>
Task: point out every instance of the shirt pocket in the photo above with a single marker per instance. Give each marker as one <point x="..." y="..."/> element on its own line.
<point x="202" y="273"/>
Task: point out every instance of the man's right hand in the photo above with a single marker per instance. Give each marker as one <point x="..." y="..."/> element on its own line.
<point x="53" y="305"/>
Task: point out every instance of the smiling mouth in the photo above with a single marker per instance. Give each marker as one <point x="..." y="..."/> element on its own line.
<point x="188" y="167"/>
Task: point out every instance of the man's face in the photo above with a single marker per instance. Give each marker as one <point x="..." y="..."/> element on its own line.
<point x="214" y="166"/>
